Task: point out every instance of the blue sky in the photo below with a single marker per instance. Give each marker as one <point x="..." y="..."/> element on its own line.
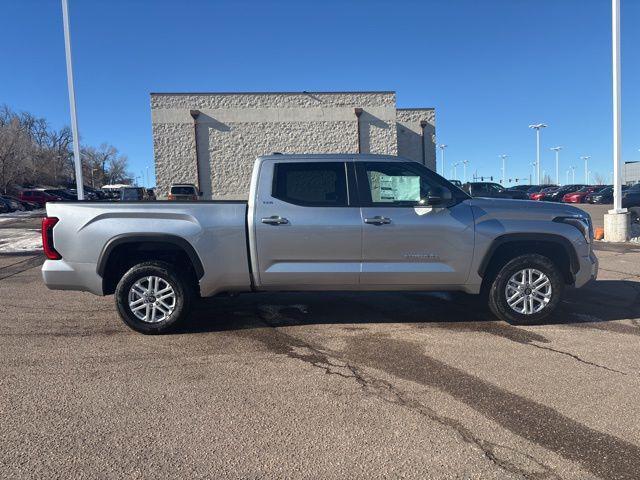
<point x="490" y="68"/>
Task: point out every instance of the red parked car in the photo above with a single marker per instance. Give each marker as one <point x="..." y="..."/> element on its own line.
<point x="38" y="197"/>
<point x="542" y="193"/>
<point x="578" y="197"/>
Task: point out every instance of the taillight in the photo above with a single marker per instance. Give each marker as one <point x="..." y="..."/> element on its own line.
<point x="47" y="238"/>
<point x="171" y="197"/>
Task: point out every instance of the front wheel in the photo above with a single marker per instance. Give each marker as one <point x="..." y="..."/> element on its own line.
<point x="526" y="290"/>
<point x="152" y="298"/>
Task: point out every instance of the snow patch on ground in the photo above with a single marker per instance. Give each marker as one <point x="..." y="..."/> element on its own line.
<point x="8" y="217"/>
<point x="14" y="240"/>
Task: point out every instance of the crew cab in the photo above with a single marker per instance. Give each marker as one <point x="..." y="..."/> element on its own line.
<point x="320" y="222"/>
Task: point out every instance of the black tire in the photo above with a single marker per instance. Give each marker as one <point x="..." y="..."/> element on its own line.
<point x="181" y="286"/>
<point x="635" y="214"/>
<point x="497" y="295"/>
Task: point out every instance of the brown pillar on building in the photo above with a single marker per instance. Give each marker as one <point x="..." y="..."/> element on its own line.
<point x="358" y="112"/>
<point x="195" y="114"/>
<point x="423" y="124"/>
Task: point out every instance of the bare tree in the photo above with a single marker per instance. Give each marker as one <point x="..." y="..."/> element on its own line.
<point x="599" y="179"/>
<point x="31" y="152"/>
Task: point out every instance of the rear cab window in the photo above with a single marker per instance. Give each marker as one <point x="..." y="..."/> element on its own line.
<point x="311" y="184"/>
<point x="183" y="190"/>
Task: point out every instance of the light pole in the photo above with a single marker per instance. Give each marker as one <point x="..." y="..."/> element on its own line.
<point x="532" y="164"/>
<point x="537" y="127"/>
<point x="557" y="150"/>
<point x="455" y="169"/>
<point x="573" y="173"/>
<point x="72" y="102"/>
<point x="617" y="137"/>
<point x="568" y="170"/>
<point x="442" y="146"/>
<point x="465" y="163"/>
<point x="616" y="221"/>
<point x="504" y="168"/>
<point x="586" y="167"/>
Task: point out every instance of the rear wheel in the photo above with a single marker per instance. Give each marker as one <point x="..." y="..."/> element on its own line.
<point x="152" y="298"/>
<point x="526" y="290"/>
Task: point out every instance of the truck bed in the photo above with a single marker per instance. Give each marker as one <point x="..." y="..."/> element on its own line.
<point x="215" y="229"/>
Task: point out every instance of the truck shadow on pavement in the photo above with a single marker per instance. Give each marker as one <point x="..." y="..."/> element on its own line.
<point x="595" y="305"/>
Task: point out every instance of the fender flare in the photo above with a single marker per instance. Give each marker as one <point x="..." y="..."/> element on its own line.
<point x="562" y="242"/>
<point x="149" y="237"/>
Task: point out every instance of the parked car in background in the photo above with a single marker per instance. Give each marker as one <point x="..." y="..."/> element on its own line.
<point x="539" y="188"/>
<point x="601" y="195"/>
<point x="133" y="194"/>
<point x="5" y="206"/>
<point x="184" y="192"/>
<point x="63" y="193"/>
<point x="151" y="193"/>
<point x="492" y="190"/>
<point x="38" y="197"/>
<point x="538" y="196"/>
<point x="520" y="188"/>
<point x="25" y="205"/>
<point x="631" y="196"/>
<point x="457" y="183"/>
<point x="15" y="204"/>
<point x="557" y="195"/>
<point x="578" y="196"/>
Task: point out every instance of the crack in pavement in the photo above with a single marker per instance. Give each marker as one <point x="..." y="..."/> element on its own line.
<point x="331" y="364"/>
<point x="576" y="357"/>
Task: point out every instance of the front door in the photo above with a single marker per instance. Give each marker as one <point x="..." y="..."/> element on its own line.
<point x="307" y="235"/>
<point x="404" y="241"/>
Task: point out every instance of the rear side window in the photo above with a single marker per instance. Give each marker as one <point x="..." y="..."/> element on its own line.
<point x="321" y="184"/>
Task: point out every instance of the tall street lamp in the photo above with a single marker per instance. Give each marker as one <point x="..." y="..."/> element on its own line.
<point x="442" y="146"/>
<point x="465" y="163"/>
<point x="586" y="167"/>
<point x="573" y="173"/>
<point x="537" y="127"/>
<point x="72" y="102"/>
<point x="557" y="150"/>
<point x="616" y="222"/>
<point x="504" y="168"/>
<point x="455" y="169"/>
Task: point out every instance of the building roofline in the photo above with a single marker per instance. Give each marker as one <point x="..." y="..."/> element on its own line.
<point x="332" y="156"/>
<point x="304" y="92"/>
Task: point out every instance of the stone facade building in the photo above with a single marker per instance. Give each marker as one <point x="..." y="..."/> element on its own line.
<point x="212" y="139"/>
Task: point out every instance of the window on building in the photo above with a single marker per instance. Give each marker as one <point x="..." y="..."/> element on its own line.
<point x="309" y="184"/>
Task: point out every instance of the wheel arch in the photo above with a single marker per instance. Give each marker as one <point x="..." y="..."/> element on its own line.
<point x="118" y="252"/>
<point x="506" y="247"/>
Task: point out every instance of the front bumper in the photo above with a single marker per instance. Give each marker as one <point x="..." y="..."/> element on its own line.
<point x="588" y="270"/>
<point x="62" y="275"/>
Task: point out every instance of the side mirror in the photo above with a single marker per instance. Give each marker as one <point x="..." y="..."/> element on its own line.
<point x="439" y="196"/>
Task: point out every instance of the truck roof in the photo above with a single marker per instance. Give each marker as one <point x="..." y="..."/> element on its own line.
<point x="356" y="157"/>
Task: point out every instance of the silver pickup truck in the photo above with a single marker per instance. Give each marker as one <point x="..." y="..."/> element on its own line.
<point x="320" y="222"/>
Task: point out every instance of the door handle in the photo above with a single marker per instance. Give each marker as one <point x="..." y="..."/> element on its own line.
<point x="378" y="220"/>
<point x="275" y="220"/>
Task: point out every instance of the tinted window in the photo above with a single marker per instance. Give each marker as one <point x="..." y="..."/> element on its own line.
<point x="320" y="184"/>
<point x="395" y="183"/>
<point x="183" y="190"/>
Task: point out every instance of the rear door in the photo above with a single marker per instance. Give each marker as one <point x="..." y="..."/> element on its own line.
<point x="307" y="233"/>
<point x="404" y="241"/>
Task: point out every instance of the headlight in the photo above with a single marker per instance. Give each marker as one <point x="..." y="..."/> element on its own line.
<point x="582" y="223"/>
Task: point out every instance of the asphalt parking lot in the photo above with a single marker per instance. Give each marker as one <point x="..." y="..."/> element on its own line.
<point x="326" y="385"/>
